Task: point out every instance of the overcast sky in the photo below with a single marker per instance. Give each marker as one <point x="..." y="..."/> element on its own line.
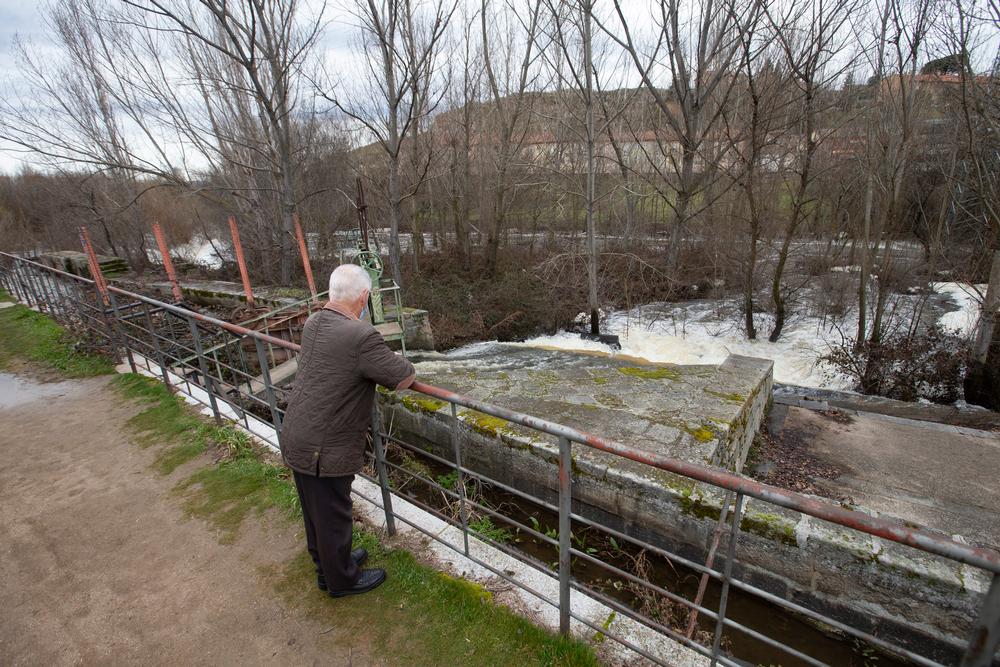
<point x="16" y="17"/>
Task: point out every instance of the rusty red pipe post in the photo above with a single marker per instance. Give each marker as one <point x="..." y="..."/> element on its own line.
<point x="94" y="265"/>
<point x="304" y="251"/>
<point x="240" y="261"/>
<point x="168" y="264"/>
<point x="114" y="336"/>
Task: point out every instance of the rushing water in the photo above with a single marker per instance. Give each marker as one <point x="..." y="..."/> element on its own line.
<point x="706" y="331"/>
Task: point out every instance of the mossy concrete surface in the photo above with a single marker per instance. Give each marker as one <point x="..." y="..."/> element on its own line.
<point x="704" y="414"/>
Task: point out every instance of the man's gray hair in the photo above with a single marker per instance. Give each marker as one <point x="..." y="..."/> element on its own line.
<point x="347" y="282"/>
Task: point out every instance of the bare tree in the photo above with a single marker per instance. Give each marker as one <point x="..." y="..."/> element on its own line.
<point x="131" y="111"/>
<point x="510" y="53"/>
<point x="401" y="43"/>
<point x="975" y="181"/>
<point x="697" y="45"/>
<point x="892" y="121"/>
<point x="811" y="35"/>
<point x="571" y="56"/>
<point x="758" y="128"/>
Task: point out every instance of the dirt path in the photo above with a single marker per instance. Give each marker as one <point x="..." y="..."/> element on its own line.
<point x="98" y="563"/>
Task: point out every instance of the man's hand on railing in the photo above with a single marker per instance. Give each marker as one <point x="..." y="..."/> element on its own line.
<point x="405" y="384"/>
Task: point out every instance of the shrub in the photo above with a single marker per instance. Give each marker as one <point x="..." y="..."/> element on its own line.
<point x="906" y="367"/>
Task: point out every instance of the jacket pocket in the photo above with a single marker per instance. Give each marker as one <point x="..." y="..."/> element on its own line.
<point x="302" y="459"/>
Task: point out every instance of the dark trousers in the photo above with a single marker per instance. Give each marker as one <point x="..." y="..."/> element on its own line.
<point x="326" y="511"/>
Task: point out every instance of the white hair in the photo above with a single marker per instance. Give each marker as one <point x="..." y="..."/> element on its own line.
<point x="348" y="282"/>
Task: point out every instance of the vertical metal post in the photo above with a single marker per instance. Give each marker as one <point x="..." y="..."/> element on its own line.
<point x="95" y="265"/>
<point x="304" y="251"/>
<point x="100" y="286"/>
<point x="727" y="574"/>
<point x="168" y="264"/>
<point x="27" y="297"/>
<point x="120" y="331"/>
<point x="240" y="261"/>
<point x="208" y="385"/>
<point x="50" y="301"/>
<point x="985" y="637"/>
<point x="246" y="378"/>
<point x="52" y="289"/>
<point x="565" y="534"/>
<point x="34" y="299"/>
<point x="272" y="402"/>
<point x="156" y="345"/>
<point x="383" y="476"/>
<point x="462" y="510"/>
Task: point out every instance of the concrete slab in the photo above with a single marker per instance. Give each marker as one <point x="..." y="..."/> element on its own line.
<point x="944" y="479"/>
<point x="695" y="413"/>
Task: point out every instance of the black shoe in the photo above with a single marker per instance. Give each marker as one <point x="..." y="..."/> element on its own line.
<point x="360" y="556"/>
<point x="369" y="580"/>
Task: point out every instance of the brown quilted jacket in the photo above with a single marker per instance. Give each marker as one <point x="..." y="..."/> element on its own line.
<point x="330" y="409"/>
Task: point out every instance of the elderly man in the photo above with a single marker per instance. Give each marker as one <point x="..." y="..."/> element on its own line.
<point x="329" y="412"/>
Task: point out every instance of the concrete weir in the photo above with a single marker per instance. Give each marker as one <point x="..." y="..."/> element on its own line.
<point x="707" y="414"/>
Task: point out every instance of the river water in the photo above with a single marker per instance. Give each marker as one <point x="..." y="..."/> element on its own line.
<point x="706" y="331"/>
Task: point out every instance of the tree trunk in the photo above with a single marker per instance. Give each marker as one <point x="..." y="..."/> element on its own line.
<point x="988" y="315"/>
<point x="595" y="323"/>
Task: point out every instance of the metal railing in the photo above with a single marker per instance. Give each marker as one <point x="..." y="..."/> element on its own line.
<point x="233" y="379"/>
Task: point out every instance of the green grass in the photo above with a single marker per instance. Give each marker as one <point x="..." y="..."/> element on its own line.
<point x="418" y="617"/>
<point x="5" y="296"/>
<point x="424" y="617"/>
<point x="33" y="337"/>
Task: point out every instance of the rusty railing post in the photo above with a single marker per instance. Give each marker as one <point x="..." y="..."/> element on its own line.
<point x="565" y="531"/>
<point x="304" y="251"/>
<point x="240" y="261"/>
<point x="383" y="476"/>
<point x="101" y="287"/>
<point x="986" y="635"/>
<point x="168" y="264"/>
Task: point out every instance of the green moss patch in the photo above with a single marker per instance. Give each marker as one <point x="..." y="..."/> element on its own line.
<point x="650" y="373"/>
<point x="611" y="401"/>
<point x="425" y="404"/>
<point x="731" y="397"/>
<point x="33" y="337"/>
<point x="701" y="433"/>
<point x="484" y="423"/>
<point x="770" y="526"/>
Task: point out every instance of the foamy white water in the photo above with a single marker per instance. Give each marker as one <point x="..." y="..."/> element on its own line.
<point x="968" y="298"/>
<point x="705" y="333"/>
<point x="699" y="336"/>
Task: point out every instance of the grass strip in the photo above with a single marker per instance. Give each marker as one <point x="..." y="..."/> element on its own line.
<point x="36" y="338"/>
<point x="420" y="616"/>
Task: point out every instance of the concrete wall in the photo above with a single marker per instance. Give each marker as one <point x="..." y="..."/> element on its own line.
<point x="895" y="592"/>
